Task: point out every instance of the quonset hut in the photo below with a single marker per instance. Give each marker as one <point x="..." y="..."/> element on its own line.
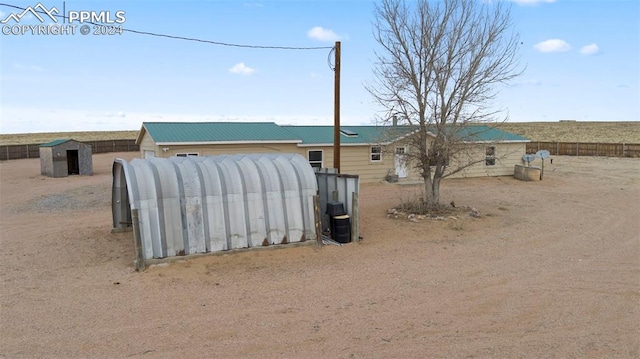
<point x="189" y="205"/>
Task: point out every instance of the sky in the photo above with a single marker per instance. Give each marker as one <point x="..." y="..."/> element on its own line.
<point x="581" y="61"/>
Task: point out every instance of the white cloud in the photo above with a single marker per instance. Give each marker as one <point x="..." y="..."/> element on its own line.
<point x="532" y="2"/>
<point x="253" y="5"/>
<point x="590" y="49"/>
<point x="322" y="34"/>
<point x="120" y="114"/>
<point x="552" y="45"/>
<point x="22" y="67"/>
<point x="242" y="69"/>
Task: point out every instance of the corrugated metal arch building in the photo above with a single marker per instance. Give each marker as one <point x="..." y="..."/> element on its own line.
<point x="191" y="205"/>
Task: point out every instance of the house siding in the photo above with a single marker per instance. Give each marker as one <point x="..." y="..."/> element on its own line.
<point x="147" y="144"/>
<point x="507" y="156"/>
<point x="357" y="160"/>
<point x="214" y="150"/>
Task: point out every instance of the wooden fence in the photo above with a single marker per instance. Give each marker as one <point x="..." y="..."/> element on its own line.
<point x="13" y="152"/>
<point x="586" y="149"/>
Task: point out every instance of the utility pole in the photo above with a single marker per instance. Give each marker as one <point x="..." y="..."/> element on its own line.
<point x="336" y="110"/>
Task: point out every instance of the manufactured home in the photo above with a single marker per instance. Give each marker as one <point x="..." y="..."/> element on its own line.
<point x="371" y="152"/>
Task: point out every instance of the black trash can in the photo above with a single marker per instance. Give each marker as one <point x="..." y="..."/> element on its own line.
<point x="341" y="228"/>
<point x="339" y="222"/>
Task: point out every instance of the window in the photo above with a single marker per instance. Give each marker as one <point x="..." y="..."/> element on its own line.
<point x="401" y="150"/>
<point x="375" y="153"/>
<point x="186" y="154"/>
<point x="490" y="156"/>
<point x="315" y="158"/>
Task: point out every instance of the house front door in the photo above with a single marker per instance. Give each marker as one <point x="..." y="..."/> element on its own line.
<point x="401" y="161"/>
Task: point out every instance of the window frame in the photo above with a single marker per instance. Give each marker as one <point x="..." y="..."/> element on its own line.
<point x="378" y="154"/>
<point x="315" y="162"/>
<point x="187" y="154"/>
<point x="490" y="156"/>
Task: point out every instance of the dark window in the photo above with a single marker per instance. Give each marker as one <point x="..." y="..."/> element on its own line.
<point x="186" y="154"/>
<point x="315" y="158"/>
<point x="376" y="153"/>
<point x="490" y="156"/>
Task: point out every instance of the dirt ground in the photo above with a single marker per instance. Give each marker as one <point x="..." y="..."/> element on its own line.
<point x="550" y="270"/>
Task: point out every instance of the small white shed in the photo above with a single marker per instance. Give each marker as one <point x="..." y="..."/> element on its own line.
<point x="189" y="205"/>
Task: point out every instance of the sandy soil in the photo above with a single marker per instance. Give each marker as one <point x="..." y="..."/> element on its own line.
<point x="551" y="270"/>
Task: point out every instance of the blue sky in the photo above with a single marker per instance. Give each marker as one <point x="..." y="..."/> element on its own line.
<point x="582" y="62"/>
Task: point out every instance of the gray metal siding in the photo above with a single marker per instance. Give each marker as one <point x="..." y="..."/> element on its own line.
<point x="341" y="188"/>
<point x="193" y="205"/>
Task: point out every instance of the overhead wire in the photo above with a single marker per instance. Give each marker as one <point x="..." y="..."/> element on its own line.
<point x="175" y="37"/>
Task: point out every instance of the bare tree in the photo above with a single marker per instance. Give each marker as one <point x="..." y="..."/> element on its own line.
<point x="439" y="66"/>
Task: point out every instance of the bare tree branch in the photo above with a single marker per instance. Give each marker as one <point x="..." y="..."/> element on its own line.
<point x="438" y="67"/>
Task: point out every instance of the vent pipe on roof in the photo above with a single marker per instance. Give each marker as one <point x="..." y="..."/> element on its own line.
<point x="395" y="121"/>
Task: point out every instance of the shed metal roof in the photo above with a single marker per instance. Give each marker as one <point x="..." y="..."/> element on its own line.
<point x="55" y="142"/>
<point x="214" y="132"/>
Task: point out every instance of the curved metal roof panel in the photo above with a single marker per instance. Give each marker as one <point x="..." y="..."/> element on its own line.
<point x="190" y="205"/>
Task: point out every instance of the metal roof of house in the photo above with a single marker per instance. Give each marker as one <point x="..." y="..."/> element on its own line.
<point x="483" y="133"/>
<point x="55" y="142"/>
<point x="215" y="132"/>
<point x="248" y="132"/>
<point x="349" y="134"/>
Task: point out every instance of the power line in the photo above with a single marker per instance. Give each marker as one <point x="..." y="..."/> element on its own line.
<point x="187" y="38"/>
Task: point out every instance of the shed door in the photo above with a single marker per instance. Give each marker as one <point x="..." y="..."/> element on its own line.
<point x="73" y="165"/>
<point x="149" y="154"/>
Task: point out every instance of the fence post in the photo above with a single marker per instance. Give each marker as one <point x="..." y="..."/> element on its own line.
<point x="355" y="224"/>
